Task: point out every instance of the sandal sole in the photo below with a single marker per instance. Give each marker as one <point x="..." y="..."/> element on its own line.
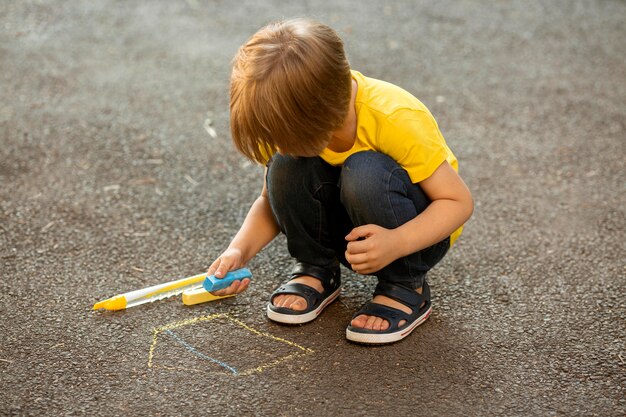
<point x="302" y="318"/>
<point x="383" y="338"/>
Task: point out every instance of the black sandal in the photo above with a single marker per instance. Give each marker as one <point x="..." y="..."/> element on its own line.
<point x="406" y="296"/>
<point x="316" y="301"/>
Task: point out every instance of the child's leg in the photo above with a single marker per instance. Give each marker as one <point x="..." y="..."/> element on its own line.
<point x="376" y="190"/>
<point x="304" y="196"/>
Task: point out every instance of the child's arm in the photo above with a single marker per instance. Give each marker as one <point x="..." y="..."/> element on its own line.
<point x="451" y="205"/>
<point x="258" y="229"/>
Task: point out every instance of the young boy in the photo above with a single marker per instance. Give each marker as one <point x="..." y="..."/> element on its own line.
<point x="357" y="172"/>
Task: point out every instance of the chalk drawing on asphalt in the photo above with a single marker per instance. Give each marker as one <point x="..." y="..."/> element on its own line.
<point x="189" y="345"/>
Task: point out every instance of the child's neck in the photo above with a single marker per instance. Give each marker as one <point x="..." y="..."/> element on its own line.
<point x="344" y="137"/>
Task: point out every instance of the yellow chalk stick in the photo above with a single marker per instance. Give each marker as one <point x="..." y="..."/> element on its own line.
<point x="200" y="295"/>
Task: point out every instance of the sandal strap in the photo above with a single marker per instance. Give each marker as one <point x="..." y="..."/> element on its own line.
<point x="404" y="295"/>
<point x="309" y="294"/>
<point x="329" y="277"/>
<point x="392" y="315"/>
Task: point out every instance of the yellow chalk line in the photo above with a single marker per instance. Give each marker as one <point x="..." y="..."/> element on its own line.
<point x="180" y="368"/>
<point x="245" y="326"/>
<point x="155" y="333"/>
<point x="259" y="369"/>
<point x="188" y="322"/>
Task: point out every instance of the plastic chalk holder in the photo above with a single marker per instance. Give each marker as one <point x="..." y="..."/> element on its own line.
<point x="211" y="283"/>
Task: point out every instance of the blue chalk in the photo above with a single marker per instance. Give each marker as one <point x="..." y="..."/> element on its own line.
<point x="211" y="283"/>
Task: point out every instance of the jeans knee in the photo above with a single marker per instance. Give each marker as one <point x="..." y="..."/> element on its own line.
<point x="288" y="177"/>
<point x="280" y="172"/>
<point x="365" y="177"/>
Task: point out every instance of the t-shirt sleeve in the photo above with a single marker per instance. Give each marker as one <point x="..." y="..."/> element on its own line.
<point x="412" y="138"/>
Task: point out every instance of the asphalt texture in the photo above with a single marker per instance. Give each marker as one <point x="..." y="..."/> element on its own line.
<point x="110" y="180"/>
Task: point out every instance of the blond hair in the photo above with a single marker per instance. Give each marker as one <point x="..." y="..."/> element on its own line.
<point x="290" y="89"/>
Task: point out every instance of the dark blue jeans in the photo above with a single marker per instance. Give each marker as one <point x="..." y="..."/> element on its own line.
<point x="316" y="205"/>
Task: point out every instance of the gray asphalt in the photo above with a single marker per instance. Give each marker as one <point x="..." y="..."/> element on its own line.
<point x="110" y="182"/>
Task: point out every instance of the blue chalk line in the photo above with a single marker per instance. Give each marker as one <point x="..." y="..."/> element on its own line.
<point x="200" y="354"/>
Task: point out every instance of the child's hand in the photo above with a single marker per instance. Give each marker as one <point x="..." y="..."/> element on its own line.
<point x="370" y="248"/>
<point x="229" y="260"/>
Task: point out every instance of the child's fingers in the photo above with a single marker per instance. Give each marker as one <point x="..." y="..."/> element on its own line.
<point x="356" y="259"/>
<point x="359" y="246"/>
<point x="224" y="266"/>
<point x="360" y="232"/>
<point x="235" y="288"/>
<point x="363" y="268"/>
<point x="214" y="266"/>
<point x="231" y="289"/>
<point x="357" y="262"/>
<point x="360" y="265"/>
<point x="244" y="285"/>
<point x="353" y="235"/>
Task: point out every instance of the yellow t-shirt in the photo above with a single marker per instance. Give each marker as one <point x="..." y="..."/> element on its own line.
<point x="393" y="122"/>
